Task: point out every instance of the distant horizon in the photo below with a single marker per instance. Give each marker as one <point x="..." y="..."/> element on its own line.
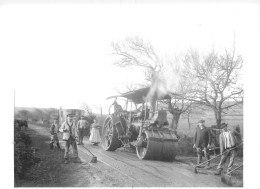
<point x="29" y="107"/>
<point x="239" y="106"/>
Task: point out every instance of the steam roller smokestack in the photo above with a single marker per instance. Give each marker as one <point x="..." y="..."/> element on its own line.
<point x="157" y="89"/>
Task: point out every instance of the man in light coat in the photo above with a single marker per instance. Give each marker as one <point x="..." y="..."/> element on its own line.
<point x="228" y="139"/>
<point x="69" y="136"/>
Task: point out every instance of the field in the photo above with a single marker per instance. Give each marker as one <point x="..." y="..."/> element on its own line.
<point x="232" y="120"/>
<point x="233" y="117"/>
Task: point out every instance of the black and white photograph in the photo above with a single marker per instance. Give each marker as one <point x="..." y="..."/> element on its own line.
<point x="130" y="93"/>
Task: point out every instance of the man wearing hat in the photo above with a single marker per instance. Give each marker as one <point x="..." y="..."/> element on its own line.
<point x="69" y="136"/>
<point x="228" y="139"/>
<point x="202" y="141"/>
<point x="81" y="129"/>
<point x="54" y="131"/>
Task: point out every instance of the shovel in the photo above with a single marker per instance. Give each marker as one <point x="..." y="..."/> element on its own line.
<point x="226" y="178"/>
<point x="94" y="158"/>
<point x="195" y="168"/>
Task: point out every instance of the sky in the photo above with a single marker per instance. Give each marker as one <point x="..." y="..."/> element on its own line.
<point x="61" y="55"/>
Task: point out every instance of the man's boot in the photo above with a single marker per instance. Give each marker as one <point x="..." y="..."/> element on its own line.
<point x="77" y="160"/>
<point x="208" y="163"/>
<point x="58" y="146"/>
<point x="218" y="172"/>
<point x="51" y="146"/>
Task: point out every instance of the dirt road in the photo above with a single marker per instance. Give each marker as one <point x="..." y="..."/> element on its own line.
<point x="151" y="173"/>
<point x="123" y="168"/>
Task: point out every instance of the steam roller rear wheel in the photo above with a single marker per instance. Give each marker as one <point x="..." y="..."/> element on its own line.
<point x="156" y="148"/>
<point x="110" y="136"/>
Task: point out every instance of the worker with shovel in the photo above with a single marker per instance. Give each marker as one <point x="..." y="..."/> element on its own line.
<point x="69" y="136"/>
<point x="228" y="140"/>
<point x="202" y="141"/>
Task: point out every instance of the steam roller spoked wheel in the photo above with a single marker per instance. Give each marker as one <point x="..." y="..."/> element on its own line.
<point x="156" y="147"/>
<point x="110" y="136"/>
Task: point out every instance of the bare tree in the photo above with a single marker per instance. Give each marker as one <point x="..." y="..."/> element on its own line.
<point x="179" y="90"/>
<point x="129" y="87"/>
<point x="134" y="52"/>
<point x="84" y="106"/>
<point x="178" y="105"/>
<point x="215" y="80"/>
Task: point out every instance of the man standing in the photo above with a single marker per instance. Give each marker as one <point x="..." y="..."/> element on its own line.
<point x="54" y="134"/>
<point x="69" y="136"/>
<point x="81" y="129"/>
<point x="117" y="107"/>
<point x="202" y="141"/>
<point x="228" y="139"/>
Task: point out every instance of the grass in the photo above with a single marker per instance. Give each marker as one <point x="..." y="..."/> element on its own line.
<point x="48" y="171"/>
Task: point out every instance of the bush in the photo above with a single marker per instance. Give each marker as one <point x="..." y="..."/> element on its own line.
<point x="23" y="154"/>
<point x="240" y="151"/>
<point x="22" y="140"/>
<point x="186" y="146"/>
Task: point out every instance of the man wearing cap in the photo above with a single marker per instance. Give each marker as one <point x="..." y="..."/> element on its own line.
<point x="54" y="134"/>
<point x="228" y="139"/>
<point x="202" y="141"/>
<point x="69" y="136"/>
<point x="117" y="107"/>
<point x="81" y="129"/>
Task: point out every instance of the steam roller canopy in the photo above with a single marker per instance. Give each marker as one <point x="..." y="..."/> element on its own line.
<point x="157" y="145"/>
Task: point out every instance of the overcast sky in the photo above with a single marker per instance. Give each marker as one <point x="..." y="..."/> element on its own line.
<point x="60" y="54"/>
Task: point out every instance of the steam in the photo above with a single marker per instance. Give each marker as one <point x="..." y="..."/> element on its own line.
<point x="172" y="78"/>
<point x="158" y="87"/>
<point x="163" y="83"/>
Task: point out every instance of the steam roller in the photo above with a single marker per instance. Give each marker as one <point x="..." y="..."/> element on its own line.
<point x="141" y="126"/>
<point x="157" y="145"/>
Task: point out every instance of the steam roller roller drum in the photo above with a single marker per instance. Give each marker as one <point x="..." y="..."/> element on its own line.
<point x="159" y="145"/>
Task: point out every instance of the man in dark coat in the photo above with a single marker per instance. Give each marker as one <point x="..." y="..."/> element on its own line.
<point x="54" y="134"/>
<point x="202" y="141"/>
<point x="81" y="129"/>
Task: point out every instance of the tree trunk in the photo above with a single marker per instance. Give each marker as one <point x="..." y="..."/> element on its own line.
<point x="175" y="120"/>
<point x="189" y="119"/>
<point x="218" y="118"/>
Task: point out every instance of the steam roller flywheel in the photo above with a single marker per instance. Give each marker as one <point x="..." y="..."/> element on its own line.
<point x="157" y="145"/>
<point x="110" y="141"/>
